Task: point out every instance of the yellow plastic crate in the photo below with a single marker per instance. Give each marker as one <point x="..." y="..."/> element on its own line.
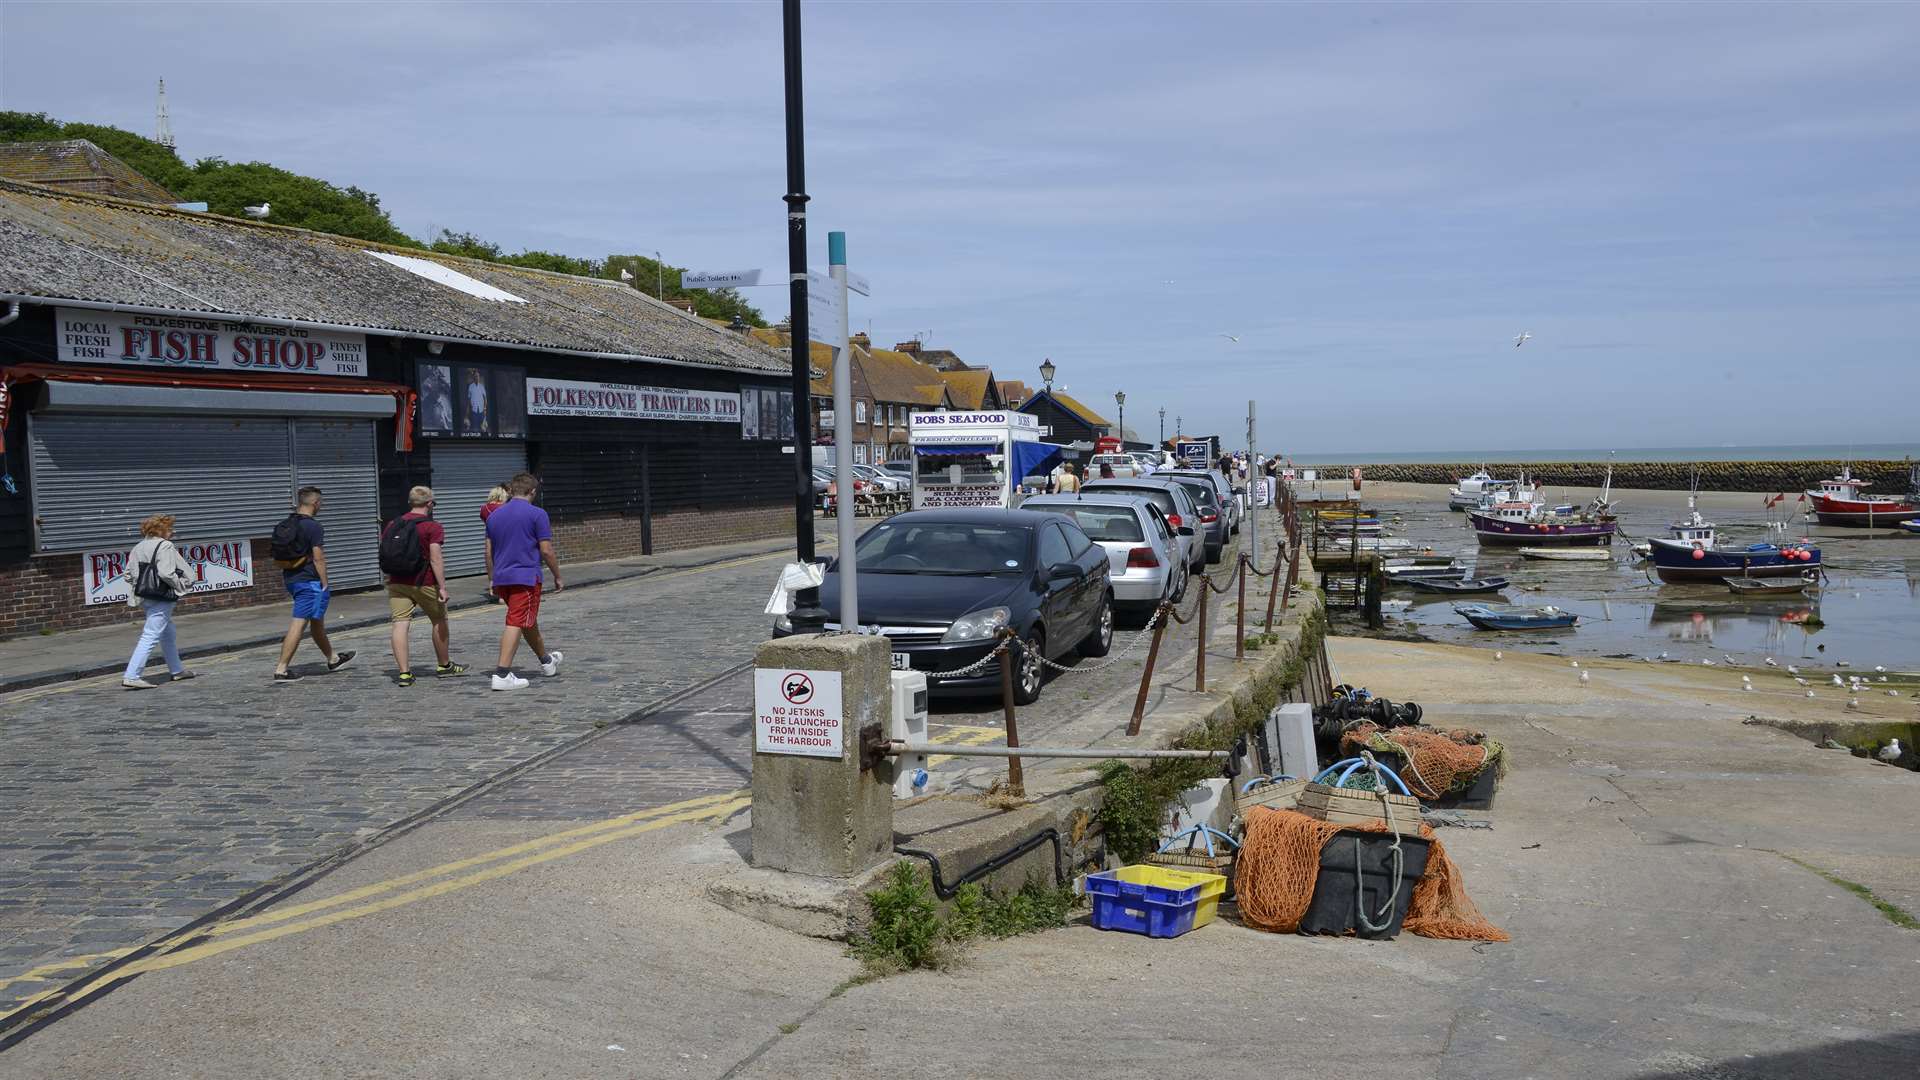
<point x="1154" y="900"/>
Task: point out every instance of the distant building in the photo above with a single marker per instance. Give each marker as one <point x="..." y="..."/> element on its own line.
<point x="76" y="165"/>
<point x="1066" y="421"/>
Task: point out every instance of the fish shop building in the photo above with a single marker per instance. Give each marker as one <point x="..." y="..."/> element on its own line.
<point x="155" y="360"/>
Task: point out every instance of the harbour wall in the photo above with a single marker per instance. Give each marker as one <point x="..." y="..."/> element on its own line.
<point x="1885" y="477"/>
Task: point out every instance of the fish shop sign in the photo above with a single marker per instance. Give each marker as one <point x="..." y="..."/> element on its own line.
<point x="188" y="342"/>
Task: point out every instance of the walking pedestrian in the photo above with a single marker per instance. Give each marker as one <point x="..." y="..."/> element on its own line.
<point x="495" y="500"/>
<point x="157" y="577"/>
<point x="1068" y="482"/>
<point x="522" y="540"/>
<point x="417" y="581"/>
<point x="298" y="548"/>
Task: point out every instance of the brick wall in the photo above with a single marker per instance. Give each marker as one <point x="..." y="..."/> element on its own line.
<point x="613" y="536"/>
<point x="45" y="593"/>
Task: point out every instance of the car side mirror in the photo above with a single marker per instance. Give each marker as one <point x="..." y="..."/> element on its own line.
<point x="1186" y="530"/>
<point x="1064" y="571"/>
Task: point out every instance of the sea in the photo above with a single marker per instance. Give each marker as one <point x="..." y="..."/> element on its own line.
<point x="1811" y="452"/>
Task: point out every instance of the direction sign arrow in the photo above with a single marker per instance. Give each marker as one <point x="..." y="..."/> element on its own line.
<point x="719" y="279"/>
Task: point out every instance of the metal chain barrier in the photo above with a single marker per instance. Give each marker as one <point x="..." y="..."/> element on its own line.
<point x="971" y="669"/>
<point x="1145" y="633"/>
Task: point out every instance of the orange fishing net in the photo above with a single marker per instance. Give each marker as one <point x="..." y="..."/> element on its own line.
<point x="1437" y="761"/>
<point x="1280" y="864"/>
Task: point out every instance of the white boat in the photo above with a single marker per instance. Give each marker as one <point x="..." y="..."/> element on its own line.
<point x="1469" y="490"/>
<point x="1568" y="554"/>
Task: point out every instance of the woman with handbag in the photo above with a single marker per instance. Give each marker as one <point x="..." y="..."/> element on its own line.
<point x="158" y="577"/>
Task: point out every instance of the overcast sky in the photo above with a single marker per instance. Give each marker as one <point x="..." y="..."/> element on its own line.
<point x="1706" y="214"/>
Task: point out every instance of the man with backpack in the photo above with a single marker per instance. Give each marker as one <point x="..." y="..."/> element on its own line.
<point x="297" y="549"/>
<point x="417" y="581"/>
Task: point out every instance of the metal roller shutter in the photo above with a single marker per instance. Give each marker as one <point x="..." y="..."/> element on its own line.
<point x="463" y="473"/>
<point x="95" y="477"/>
<point x="337" y="456"/>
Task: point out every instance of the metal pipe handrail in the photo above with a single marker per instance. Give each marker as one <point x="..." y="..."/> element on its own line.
<point x="898" y="747"/>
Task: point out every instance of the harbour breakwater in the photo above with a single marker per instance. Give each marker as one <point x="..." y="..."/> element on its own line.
<point x="1886" y="477"/>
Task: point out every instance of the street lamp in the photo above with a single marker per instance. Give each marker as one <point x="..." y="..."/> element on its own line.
<point x="1163" y="427"/>
<point x="1120" y="399"/>
<point x="1046" y="373"/>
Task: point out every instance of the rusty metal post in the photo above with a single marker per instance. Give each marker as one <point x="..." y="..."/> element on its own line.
<point x="1274" y="582"/>
<point x="1146" y="676"/>
<point x="1016" y="779"/>
<point x="1293" y="575"/>
<point x="1200" y="654"/>
<point x="1240" y="615"/>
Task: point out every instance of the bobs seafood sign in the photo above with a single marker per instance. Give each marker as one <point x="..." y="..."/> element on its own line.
<point x="617" y="401"/>
<point x="217" y="566"/>
<point x="189" y="342"/>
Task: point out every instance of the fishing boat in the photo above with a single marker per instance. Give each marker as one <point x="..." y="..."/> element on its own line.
<point x="1764" y="587"/>
<point x="1911" y="526"/>
<point x="1568" y="554"/>
<point x="1468" y="491"/>
<point x="1691" y="554"/>
<point x="1460" y="587"/>
<point x="1518" y="519"/>
<point x="1542" y="618"/>
<point x="1844" y="501"/>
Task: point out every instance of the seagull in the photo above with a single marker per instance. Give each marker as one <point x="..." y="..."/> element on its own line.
<point x="1746" y="686"/>
<point x="1837" y="682"/>
<point x="1802" y="682"/>
<point x="1842" y="663"/>
<point x="1497" y="654"/>
<point x="1230" y="337"/>
<point x="1770" y="662"/>
<point x="1576" y="663"/>
<point x="1879" y="667"/>
<point x="1889" y="752"/>
<point x="1791" y="670"/>
<point x="1853" y="703"/>
<point x="1707" y="663"/>
<point x="1809" y="693"/>
<point x="1893" y="693"/>
<point x="1584" y="677"/>
<point x="1883" y="678"/>
<point x="1525" y="336"/>
<point x="1746" y="678"/>
<point x="257" y="211"/>
<point x="1663" y="656"/>
<point x="1728" y="659"/>
<point x="625" y="274"/>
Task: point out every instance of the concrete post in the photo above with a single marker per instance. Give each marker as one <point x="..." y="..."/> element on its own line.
<point x="825" y="815"/>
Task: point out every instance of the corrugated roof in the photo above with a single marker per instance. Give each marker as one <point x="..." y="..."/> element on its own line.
<point x="78" y="165"/>
<point x="59" y="246"/>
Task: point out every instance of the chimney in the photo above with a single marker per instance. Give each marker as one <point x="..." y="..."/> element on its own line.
<point x="861" y="339"/>
<point x="911" y="348"/>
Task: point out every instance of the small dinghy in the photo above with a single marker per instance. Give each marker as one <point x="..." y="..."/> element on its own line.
<point x="1911" y="526"/>
<point x="1461" y="587"/>
<point x="1543" y="618"/>
<point x="1428" y="573"/>
<point x="1745" y="586"/>
<point x="1571" y="554"/>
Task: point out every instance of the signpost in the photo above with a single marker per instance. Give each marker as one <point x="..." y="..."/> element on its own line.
<point x="720" y="279"/>
<point x="835" y="295"/>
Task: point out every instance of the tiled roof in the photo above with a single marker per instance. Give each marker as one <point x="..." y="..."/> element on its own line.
<point x="895" y="376"/>
<point x="1078" y="409"/>
<point x="58" y="246"/>
<point x="969" y="387"/>
<point x="1013" y="390"/>
<point x="78" y="165"/>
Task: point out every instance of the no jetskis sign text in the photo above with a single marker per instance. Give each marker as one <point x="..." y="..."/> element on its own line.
<point x="797" y="712"/>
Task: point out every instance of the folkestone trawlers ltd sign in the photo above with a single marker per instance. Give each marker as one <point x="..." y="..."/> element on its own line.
<point x="617" y="401"/>
<point x="192" y="342"/>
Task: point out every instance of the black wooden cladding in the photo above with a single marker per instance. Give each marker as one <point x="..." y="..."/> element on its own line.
<point x="581" y="478"/>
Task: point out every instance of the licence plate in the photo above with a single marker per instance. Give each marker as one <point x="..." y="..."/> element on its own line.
<point x="902" y="662"/>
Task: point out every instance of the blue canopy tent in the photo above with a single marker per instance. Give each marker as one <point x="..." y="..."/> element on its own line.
<point x="1034" y="458"/>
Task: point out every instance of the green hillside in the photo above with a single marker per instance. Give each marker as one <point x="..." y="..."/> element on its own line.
<point x="305" y="202"/>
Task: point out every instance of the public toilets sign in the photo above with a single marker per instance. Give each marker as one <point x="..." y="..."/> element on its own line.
<point x="797" y="712"/>
<point x="192" y="343"/>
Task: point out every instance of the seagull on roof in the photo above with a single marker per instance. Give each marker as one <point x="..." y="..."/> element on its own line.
<point x="1525" y="336"/>
<point x="260" y="211"/>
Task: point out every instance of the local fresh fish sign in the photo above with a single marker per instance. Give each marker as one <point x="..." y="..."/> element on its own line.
<point x="186" y="342"/>
<point x="217" y="566"/>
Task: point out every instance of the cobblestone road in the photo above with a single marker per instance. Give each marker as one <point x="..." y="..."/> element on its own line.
<point x="131" y="815"/>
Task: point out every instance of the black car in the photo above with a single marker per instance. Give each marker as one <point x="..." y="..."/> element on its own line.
<point x="941" y="584"/>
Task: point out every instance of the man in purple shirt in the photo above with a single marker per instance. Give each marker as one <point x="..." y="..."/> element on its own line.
<point x="522" y="540"/>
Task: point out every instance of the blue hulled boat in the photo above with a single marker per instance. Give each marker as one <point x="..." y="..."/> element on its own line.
<point x="1690" y="554"/>
<point x="1492" y="618"/>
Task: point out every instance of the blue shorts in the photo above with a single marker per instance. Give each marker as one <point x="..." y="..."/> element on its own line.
<point x="309" y="599"/>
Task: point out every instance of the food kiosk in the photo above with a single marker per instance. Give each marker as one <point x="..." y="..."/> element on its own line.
<point x="975" y="458"/>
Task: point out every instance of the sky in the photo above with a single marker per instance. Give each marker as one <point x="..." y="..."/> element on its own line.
<point x="1707" y="215"/>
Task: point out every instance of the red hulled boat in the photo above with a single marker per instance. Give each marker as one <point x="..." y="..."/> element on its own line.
<point x="1844" y="501"/>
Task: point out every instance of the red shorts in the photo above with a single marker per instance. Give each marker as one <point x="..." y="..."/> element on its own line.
<point x="523" y="604"/>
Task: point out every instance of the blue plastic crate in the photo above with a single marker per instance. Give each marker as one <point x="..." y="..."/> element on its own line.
<point x="1153" y="900"/>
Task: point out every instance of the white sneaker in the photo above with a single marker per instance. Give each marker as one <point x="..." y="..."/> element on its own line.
<point x="142" y="684"/>
<point x="552" y="666"/>
<point x="510" y="681"/>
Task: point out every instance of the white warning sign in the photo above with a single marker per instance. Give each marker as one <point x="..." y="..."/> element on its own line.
<point x="797" y="712"/>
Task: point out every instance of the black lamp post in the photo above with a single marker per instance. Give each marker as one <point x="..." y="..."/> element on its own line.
<point x="1046" y="373"/>
<point x="1163" y="428"/>
<point x="1120" y="399"/>
<point x="807" y="615"/>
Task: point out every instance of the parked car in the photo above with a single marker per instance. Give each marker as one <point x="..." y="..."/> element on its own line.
<point x="941" y="584"/>
<point x="1176" y="501"/>
<point x="1123" y="466"/>
<point x="1224" y="492"/>
<point x="1145" y="561"/>
<point x="901" y="469"/>
<point x="885" y="481"/>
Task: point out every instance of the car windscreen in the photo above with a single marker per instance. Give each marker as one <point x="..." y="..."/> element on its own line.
<point x="943" y="547"/>
<point x="1202" y="491"/>
<point x="1119" y="524"/>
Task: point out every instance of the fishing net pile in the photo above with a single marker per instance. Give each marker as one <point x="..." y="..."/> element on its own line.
<point x="1437" y="762"/>
<point x="1279" y="865"/>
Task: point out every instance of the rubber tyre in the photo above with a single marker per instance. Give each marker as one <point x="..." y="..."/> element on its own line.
<point x="1100" y="642"/>
<point x="1186" y="577"/>
<point x="1029" y="674"/>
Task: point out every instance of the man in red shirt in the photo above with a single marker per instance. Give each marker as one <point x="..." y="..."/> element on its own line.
<point x="417" y="581"/>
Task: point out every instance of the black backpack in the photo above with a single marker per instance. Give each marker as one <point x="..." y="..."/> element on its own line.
<point x="289" y="546"/>
<point x="401" y="553"/>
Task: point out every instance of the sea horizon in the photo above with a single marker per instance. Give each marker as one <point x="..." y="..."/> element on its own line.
<point x="1806" y="452"/>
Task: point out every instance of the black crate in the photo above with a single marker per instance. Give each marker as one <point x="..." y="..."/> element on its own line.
<point x="1477" y="796"/>
<point x="1334" y="909"/>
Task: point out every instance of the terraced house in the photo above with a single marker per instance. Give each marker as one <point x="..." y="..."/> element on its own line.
<point x="159" y="360"/>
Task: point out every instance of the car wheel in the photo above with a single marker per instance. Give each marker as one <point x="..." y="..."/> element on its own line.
<point x="1180" y="587"/>
<point x="1100" y="641"/>
<point x="1029" y="674"/>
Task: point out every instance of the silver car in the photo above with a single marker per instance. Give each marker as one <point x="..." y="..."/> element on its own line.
<point x="1145" y="562"/>
<point x="1228" y="496"/>
<point x="889" y="482"/>
<point x="1175" y="502"/>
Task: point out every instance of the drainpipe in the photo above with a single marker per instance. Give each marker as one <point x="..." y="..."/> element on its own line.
<point x="13" y="312"/>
